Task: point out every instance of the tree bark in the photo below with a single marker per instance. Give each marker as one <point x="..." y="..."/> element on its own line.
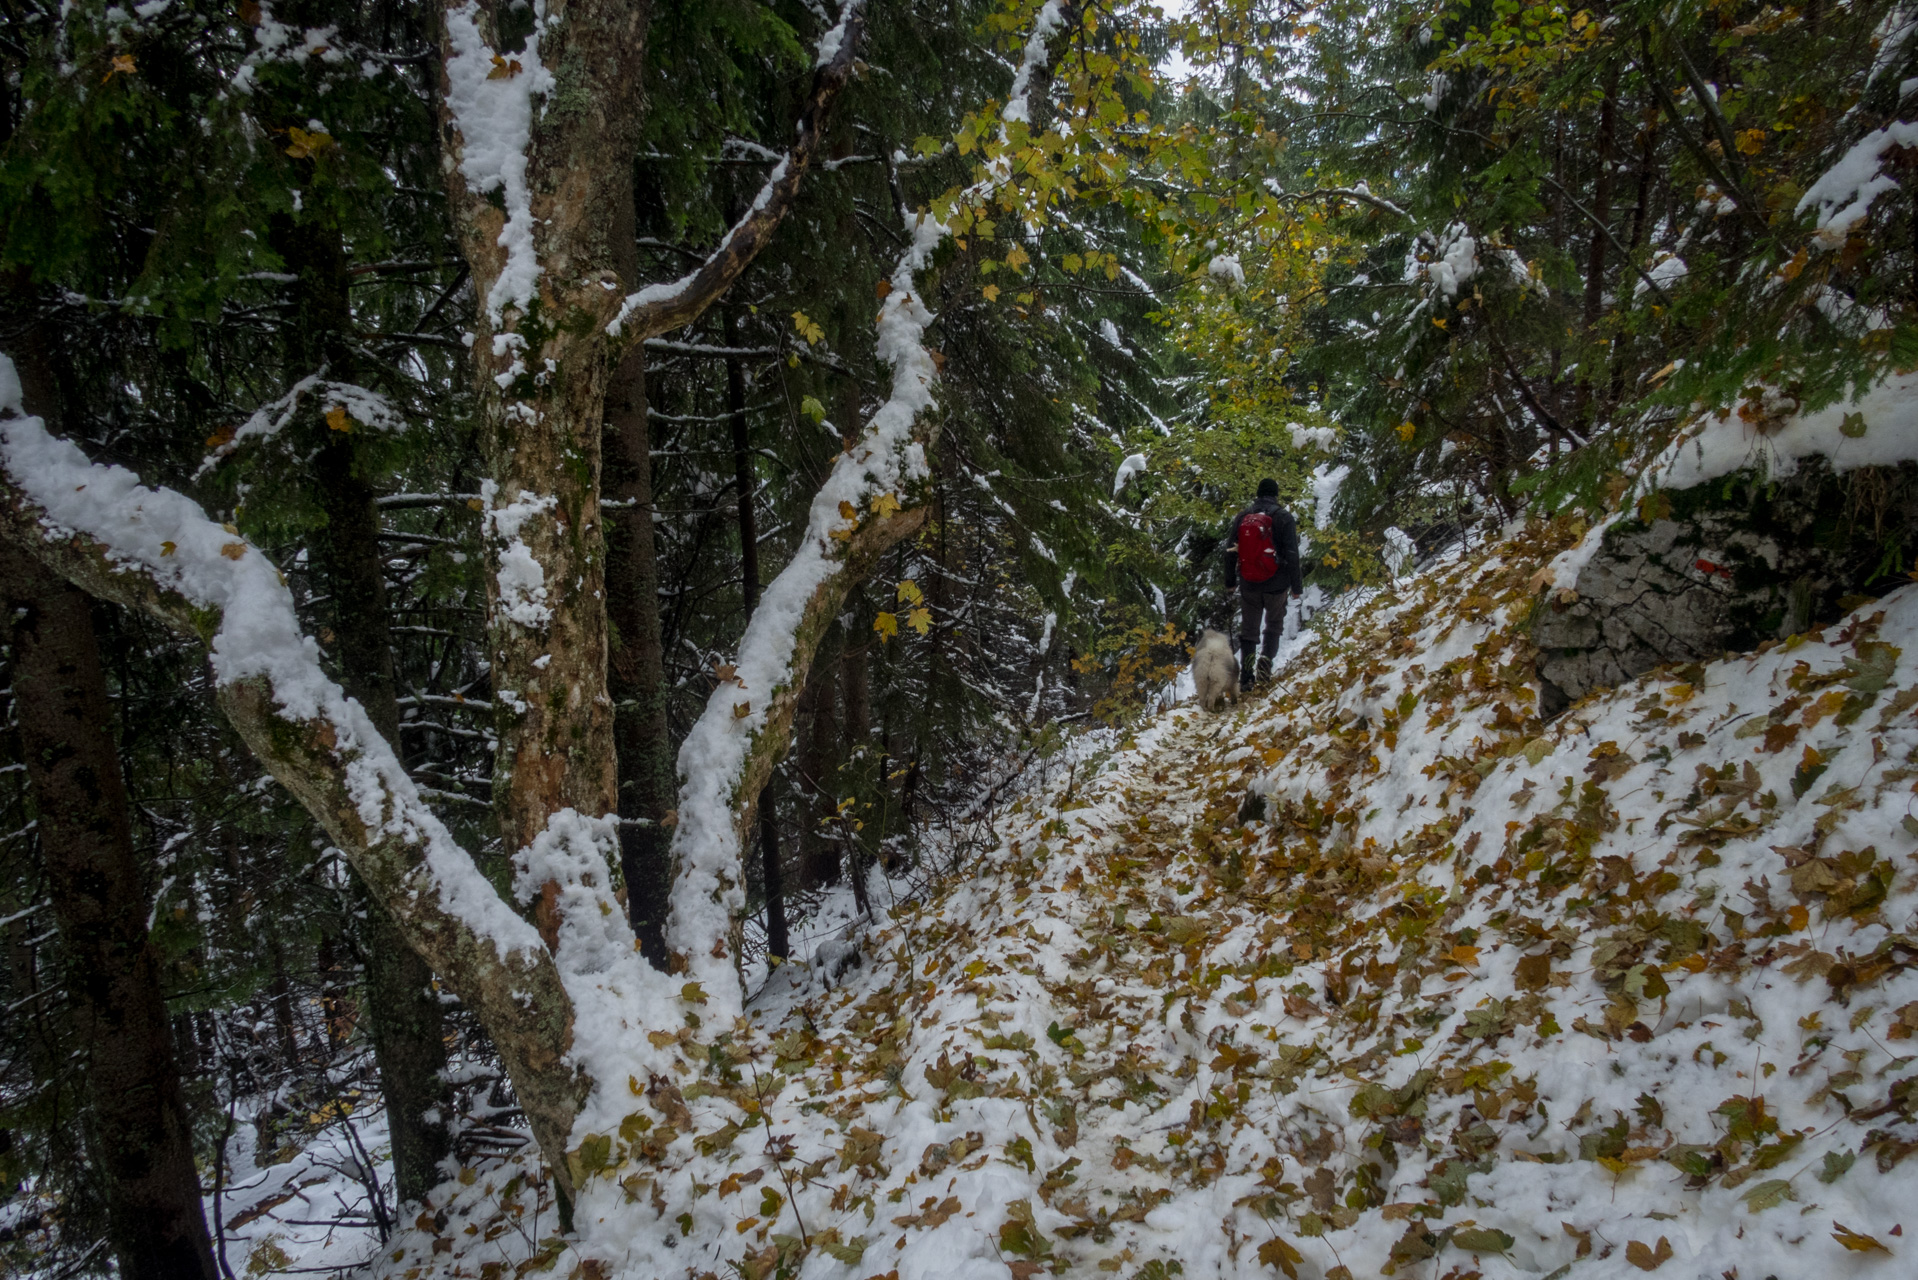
<point x="137" y="1118"/>
<point x="637" y="671"/>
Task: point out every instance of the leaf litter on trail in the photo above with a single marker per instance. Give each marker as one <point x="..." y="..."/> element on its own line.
<point x="1477" y="992"/>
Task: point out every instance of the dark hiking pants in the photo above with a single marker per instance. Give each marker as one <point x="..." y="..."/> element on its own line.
<point x="1258" y="607"/>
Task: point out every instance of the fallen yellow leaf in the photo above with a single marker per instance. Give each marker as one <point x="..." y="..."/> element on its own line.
<point x="1856" y="1241"/>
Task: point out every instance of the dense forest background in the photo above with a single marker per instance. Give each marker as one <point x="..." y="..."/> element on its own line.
<point x="1433" y="266"/>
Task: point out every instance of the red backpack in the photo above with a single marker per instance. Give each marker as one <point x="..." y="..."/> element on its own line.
<point x="1258" y="554"/>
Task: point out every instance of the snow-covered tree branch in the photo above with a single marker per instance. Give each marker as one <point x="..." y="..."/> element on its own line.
<point x="156" y="551"/>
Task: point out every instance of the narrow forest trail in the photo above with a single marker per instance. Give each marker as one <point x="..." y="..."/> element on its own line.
<point x="1473" y="995"/>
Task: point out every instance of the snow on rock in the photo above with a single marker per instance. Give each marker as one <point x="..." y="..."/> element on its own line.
<point x="165" y="536"/>
<point x="1843" y="193"/>
<point x="1561" y="573"/>
<point x="1326" y="480"/>
<point x="1133" y="465"/>
<point x="494" y="116"/>
<point x="1885" y="419"/>
<point x="708" y="891"/>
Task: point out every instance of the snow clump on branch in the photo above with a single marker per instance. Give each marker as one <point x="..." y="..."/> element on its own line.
<point x="1051" y="18"/>
<point x="1844" y="192"/>
<point x="707" y="893"/>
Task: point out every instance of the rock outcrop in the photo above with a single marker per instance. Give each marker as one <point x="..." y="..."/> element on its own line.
<point x="1725" y="566"/>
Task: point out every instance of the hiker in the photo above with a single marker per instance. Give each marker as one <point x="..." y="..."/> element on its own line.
<point x="1262" y="561"/>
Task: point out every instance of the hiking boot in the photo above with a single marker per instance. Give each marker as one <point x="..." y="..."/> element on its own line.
<point x="1245" y="669"/>
<point x="1265" y="669"/>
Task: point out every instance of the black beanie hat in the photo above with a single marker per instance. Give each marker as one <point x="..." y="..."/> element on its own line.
<point x="1268" y="488"/>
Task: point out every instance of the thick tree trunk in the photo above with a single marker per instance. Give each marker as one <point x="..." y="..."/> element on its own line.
<point x="141" y="1139"/>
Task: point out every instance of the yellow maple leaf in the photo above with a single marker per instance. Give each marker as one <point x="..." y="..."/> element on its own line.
<point x="504" y="68"/>
<point x="920" y="620"/>
<point x="741" y="710"/>
<point x="1463" y="955"/>
<point x="122" y="65"/>
<point x="991" y="292"/>
<point x="302" y="143"/>
<point x="168" y="548"/>
<point x="1751" y="141"/>
<point x="338" y="419"/>
<point x="233" y="550"/>
<point x="1407" y="431"/>
<point x="887" y="625"/>
<point x="847" y="510"/>
<point x="1016" y="257"/>
<point x="808" y="329"/>
<point x="909" y="591"/>
<point x="884" y="505"/>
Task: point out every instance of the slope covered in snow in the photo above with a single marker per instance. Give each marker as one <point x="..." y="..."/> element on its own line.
<point x="1627" y="992"/>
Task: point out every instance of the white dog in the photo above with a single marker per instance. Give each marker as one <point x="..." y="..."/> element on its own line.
<point x="1215" y="670"/>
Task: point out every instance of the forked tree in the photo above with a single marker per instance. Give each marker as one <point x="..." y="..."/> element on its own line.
<point x="539" y="139"/>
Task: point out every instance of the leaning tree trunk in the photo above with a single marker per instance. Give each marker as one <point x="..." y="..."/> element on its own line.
<point x="877" y="494"/>
<point x="139" y="1135"/>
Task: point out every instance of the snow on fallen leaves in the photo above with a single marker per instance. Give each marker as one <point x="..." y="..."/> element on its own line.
<point x="1380" y="976"/>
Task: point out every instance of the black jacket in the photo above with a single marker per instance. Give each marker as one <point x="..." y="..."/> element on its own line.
<point x="1285" y="538"/>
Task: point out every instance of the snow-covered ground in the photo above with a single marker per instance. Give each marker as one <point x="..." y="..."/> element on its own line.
<point x="1627" y="992"/>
